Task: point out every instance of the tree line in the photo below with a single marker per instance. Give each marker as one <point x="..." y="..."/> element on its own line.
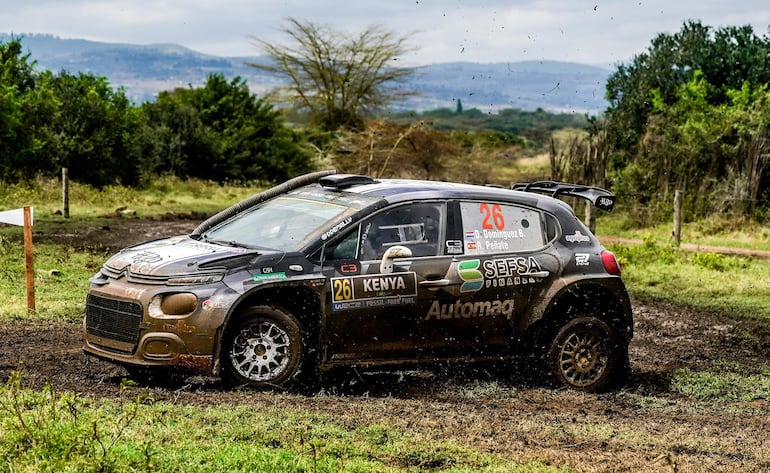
<point x="691" y="113"/>
<point x="220" y="131"/>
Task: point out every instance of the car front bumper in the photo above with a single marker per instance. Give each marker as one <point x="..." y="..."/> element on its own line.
<point x="121" y="327"/>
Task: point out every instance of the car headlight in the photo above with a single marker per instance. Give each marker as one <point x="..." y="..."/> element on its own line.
<point x="192" y="279"/>
<point x="177" y="304"/>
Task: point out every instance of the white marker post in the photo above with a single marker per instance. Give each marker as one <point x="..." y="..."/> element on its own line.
<point x="23" y="217"/>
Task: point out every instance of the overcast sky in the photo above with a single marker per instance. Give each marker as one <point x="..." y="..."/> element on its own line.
<point x="598" y="32"/>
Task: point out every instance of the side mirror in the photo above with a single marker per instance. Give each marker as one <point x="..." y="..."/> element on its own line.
<point x="398" y="251"/>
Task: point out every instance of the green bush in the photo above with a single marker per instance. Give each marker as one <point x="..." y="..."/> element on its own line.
<point x="718" y="262"/>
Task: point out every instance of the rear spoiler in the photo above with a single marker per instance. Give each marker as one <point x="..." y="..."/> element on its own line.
<point x="601" y="198"/>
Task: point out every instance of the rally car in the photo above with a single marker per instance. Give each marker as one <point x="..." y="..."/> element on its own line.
<point x="335" y="270"/>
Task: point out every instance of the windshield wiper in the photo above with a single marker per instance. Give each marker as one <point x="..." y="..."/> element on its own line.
<point x="233" y="243"/>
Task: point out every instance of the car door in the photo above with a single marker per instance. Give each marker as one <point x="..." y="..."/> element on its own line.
<point x="377" y="302"/>
<point x="500" y="262"/>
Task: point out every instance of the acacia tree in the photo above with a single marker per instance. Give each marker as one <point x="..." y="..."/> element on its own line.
<point x="338" y="78"/>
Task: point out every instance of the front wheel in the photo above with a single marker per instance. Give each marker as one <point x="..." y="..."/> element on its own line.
<point x="584" y="354"/>
<point x="263" y="349"/>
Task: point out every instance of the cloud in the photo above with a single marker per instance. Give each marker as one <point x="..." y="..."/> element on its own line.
<point x="594" y="32"/>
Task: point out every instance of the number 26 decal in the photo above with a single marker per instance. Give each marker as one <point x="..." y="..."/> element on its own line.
<point x="492" y="215"/>
<point x="343" y="289"/>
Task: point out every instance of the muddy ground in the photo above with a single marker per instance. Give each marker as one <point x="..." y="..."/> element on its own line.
<point x="645" y="426"/>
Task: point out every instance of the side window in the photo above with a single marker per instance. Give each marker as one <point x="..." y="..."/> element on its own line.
<point x="417" y="226"/>
<point x="344" y="249"/>
<point x="491" y="227"/>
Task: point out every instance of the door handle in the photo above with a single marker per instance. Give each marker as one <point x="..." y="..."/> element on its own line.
<point x="436" y="283"/>
<point x="538" y="274"/>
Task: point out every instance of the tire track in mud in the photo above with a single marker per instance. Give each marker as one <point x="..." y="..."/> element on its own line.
<point x="490" y="409"/>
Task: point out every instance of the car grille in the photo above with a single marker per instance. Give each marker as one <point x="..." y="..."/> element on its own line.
<point x="113" y="319"/>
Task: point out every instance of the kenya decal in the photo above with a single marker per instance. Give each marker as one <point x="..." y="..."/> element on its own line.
<point x="373" y="290"/>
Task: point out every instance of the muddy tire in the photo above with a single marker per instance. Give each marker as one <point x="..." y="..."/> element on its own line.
<point x="263" y="350"/>
<point x="584" y="355"/>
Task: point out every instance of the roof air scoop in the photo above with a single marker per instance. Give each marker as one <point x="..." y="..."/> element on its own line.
<point x="341" y="181"/>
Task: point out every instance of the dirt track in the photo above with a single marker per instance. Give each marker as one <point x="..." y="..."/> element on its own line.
<point x="643" y="427"/>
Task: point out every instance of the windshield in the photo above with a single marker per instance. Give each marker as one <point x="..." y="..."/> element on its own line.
<point x="283" y="223"/>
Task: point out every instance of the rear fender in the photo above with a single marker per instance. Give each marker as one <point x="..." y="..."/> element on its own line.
<point x="605" y="298"/>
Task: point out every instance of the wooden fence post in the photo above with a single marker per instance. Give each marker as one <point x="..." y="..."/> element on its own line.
<point x="65" y="193"/>
<point x="590" y="218"/>
<point x="677" y="234"/>
<point x="29" y="263"/>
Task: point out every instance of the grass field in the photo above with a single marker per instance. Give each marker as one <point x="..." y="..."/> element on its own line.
<point x="48" y="430"/>
<point x="163" y="195"/>
<point x="53" y="431"/>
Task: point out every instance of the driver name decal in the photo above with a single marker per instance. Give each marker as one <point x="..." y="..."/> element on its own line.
<point x="373" y="290"/>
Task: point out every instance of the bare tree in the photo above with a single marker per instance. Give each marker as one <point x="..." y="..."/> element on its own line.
<point x="336" y="77"/>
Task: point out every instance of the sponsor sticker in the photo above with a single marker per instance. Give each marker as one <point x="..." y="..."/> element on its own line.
<point x="147" y="257"/>
<point x="581" y="259"/>
<point x="467" y="310"/>
<point x="454" y="247"/>
<point x="268" y="277"/>
<point x="469" y="272"/>
<point x="210" y="304"/>
<point x="348" y="268"/>
<point x="373" y="290"/>
<point x="510" y="271"/>
<point x="577" y="237"/>
<point x="332" y="231"/>
<point x="605" y="203"/>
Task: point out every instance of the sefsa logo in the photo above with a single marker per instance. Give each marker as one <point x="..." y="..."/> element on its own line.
<point x="469" y="272"/>
<point x="511" y="271"/>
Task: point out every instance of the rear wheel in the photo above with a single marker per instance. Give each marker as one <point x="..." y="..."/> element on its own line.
<point x="264" y="349"/>
<point x="584" y="354"/>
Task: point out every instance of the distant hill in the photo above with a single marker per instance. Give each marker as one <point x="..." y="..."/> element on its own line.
<point x="144" y="70"/>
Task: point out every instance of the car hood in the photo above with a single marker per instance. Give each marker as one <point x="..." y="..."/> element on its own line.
<point x="176" y="256"/>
